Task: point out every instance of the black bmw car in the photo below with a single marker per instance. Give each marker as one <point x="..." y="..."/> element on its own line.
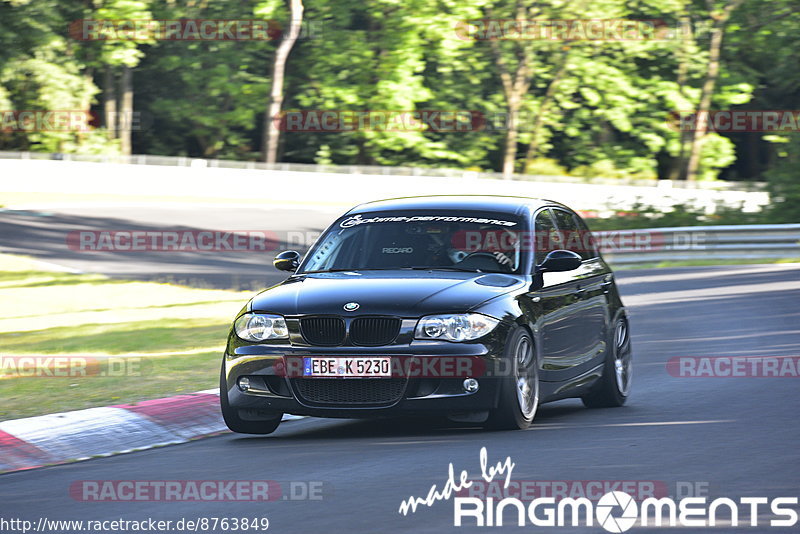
<point x="474" y="307"/>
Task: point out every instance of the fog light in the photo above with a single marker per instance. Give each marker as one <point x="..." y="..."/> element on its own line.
<point x="244" y="383"/>
<point x="470" y="385"/>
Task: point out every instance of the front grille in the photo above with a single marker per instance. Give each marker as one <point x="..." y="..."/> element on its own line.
<point x="373" y="331"/>
<point x="350" y="391"/>
<point x="323" y="330"/>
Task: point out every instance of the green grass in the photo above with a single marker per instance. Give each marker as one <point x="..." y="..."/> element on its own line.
<point x="154" y="377"/>
<point x="135" y="336"/>
<point x="172" y="337"/>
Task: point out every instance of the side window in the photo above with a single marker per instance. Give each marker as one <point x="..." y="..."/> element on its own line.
<point x="546" y="235"/>
<point x="590" y="246"/>
<point x="575" y="237"/>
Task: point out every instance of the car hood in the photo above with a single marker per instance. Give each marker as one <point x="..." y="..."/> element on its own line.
<point x="402" y="293"/>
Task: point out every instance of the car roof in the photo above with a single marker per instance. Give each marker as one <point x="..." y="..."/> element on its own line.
<point x="496" y="203"/>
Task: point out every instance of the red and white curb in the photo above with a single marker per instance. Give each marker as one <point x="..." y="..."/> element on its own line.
<point x="83" y="434"/>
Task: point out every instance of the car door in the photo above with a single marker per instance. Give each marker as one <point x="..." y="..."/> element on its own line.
<point x="590" y="308"/>
<point x="550" y="304"/>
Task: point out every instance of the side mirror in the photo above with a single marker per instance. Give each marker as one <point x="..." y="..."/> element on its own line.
<point x="288" y="260"/>
<point x="559" y="261"/>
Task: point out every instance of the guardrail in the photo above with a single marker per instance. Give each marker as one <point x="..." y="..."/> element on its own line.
<point x="686" y="243"/>
<point x="182" y="161"/>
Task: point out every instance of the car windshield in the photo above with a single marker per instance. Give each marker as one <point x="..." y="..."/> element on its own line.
<point x="475" y="242"/>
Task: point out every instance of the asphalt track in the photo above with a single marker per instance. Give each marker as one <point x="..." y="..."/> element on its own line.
<point x="731" y="437"/>
<point x="43" y="234"/>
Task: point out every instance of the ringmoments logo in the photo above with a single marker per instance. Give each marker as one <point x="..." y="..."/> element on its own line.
<point x="615" y="511"/>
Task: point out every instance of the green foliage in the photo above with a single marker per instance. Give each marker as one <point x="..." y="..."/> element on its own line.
<point x="40" y="70"/>
<point x="593" y="108"/>
<point x="545" y="166"/>
<point x="642" y="215"/>
<point x="717" y="153"/>
<point x="784" y="182"/>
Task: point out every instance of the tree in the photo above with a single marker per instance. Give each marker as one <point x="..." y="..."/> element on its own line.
<point x="588" y="108"/>
<point x="115" y="60"/>
<point x="271" y="129"/>
<point x="720" y="19"/>
<point x="544" y="107"/>
<point x="41" y="69"/>
<point x="203" y="98"/>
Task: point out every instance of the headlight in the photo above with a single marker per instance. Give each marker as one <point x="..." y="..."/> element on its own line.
<point x="260" y="327"/>
<point x="460" y="327"/>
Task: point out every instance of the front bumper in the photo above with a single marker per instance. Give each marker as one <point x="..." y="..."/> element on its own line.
<point x="429" y="379"/>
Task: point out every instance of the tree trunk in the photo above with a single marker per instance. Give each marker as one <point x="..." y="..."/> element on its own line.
<point x="515" y="85"/>
<point x="126" y="111"/>
<point x="110" y="104"/>
<point x="678" y="168"/>
<point x="533" y="146"/>
<point x="701" y="122"/>
<point x="510" y="152"/>
<point x="271" y="131"/>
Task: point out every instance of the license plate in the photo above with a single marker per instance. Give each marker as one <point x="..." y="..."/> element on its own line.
<point x="346" y="367"/>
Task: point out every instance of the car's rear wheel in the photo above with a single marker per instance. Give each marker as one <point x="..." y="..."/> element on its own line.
<point x="519" y="391"/>
<point x="613" y="387"/>
<point x="246" y="421"/>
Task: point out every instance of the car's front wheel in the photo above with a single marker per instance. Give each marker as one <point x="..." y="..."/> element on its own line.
<point x="519" y="390"/>
<point x="245" y="421"/>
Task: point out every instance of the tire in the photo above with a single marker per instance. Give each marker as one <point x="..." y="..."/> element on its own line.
<point x="518" y="401"/>
<point x="256" y="422"/>
<point x="613" y="388"/>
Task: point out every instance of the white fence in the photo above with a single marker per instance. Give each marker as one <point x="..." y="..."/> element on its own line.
<point x="375" y="170"/>
<point x="163" y="176"/>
